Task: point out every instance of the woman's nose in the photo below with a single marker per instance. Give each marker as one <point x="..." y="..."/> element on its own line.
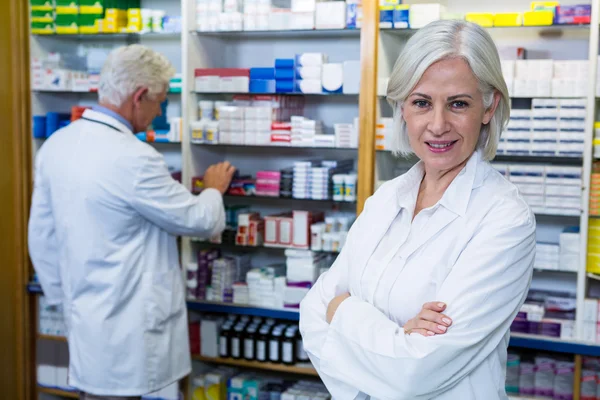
<point x="438" y="124"/>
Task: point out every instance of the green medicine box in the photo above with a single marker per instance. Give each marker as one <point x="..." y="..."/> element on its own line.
<point x="67" y="24"/>
<point x="92" y="6"/>
<point x="42" y="28"/>
<point x="67" y="7"/>
<point x="88" y="19"/>
<point x="42" y="16"/>
<point x="42" y="5"/>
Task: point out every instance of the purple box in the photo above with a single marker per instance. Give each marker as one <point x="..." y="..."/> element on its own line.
<point x="573" y="15"/>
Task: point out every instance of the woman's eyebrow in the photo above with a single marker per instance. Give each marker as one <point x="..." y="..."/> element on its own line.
<point x="421" y="95"/>
<point x="458" y="96"/>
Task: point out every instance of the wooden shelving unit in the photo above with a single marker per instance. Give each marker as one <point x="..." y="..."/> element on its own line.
<point x="300" y="370"/>
<point x="52" y="337"/>
<point x="57" y="392"/>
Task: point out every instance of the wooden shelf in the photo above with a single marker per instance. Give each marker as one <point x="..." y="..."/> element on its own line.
<point x="57" y="392"/>
<point x="301" y="370"/>
<point x="52" y="337"/>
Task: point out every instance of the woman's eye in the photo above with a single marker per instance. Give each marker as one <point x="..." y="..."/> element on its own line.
<point x="420" y="103"/>
<point x="459" y="104"/>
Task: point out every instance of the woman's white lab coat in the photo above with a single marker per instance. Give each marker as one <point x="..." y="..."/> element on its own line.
<point x="102" y="238"/>
<point x="473" y="250"/>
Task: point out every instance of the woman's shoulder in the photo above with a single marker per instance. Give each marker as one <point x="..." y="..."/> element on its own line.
<point x="501" y="199"/>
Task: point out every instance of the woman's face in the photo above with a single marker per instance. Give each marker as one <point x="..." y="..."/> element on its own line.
<point x="444" y="114"/>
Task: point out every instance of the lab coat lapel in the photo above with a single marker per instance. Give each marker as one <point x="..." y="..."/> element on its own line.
<point x="438" y="221"/>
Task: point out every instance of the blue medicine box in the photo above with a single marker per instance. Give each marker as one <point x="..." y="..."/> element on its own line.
<point x="262" y="86"/>
<point x="285" y="74"/>
<point x="284" y="86"/>
<point x="262" y="73"/>
<point x="288" y="63"/>
<point x="401" y="16"/>
<point x="386" y="17"/>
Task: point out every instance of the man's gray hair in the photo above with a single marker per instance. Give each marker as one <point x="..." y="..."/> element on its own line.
<point x="442" y="40"/>
<point x="130" y="67"/>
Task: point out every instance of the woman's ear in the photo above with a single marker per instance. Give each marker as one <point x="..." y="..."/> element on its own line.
<point x="489" y="113"/>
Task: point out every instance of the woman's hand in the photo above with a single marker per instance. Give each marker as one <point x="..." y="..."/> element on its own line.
<point x="334" y="304"/>
<point x="430" y="321"/>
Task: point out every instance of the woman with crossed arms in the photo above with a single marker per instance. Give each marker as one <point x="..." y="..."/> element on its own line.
<point x="451" y="233"/>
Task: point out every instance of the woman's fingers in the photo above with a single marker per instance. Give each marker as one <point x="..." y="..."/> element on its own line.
<point x="423" y="332"/>
<point x="435" y="306"/>
<point x="431" y="327"/>
<point x="436" y="317"/>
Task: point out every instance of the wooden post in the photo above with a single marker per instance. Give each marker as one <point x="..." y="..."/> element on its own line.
<point x="16" y="329"/>
<point x="369" y="38"/>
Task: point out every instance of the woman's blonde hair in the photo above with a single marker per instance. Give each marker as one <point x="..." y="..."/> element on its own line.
<point x="447" y="39"/>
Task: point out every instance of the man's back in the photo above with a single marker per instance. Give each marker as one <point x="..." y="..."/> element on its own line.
<point x="106" y="212"/>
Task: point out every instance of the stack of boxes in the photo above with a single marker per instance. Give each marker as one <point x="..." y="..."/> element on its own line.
<point x="268" y="183"/>
<point x="303" y="14"/>
<point x="262" y="80"/>
<point x="207" y="15"/>
<point x="266" y="286"/>
<point x="199" y="274"/>
<point x="312" y="180"/>
<point x="290" y="229"/>
<point x="545" y="78"/>
<point x="591" y="321"/>
<point x="548" y="314"/>
<point x="222" y="80"/>
<point x="330" y="15"/>
<point x="547" y="189"/>
<point x="231" y="19"/>
<point x="250" y="230"/>
<point x="285" y="75"/>
<point x="258" y="117"/>
<point x="595" y="189"/>
<point x="231" y="125"/>
<point x="593" y="247"/>
<point x="50" y="319"/>
<point x="384" y="134"/>
<point x="309" y="72"/>
<point x="309" y="133"/>
<point x="559" y="257"/>
<point x="346" y="135"/>
<point x="286" y="183"/>
<point x="256" y="15"/>
<point x="42" y="17"/>
<point x="551" y="128"/>
<point x="227" y="271"/>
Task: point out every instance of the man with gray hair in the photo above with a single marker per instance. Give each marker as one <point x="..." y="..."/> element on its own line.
<point x="103" y="230"/>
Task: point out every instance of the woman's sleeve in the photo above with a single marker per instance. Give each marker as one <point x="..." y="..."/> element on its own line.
<point x="313" y="309"/>
<point x="484" y="291"/>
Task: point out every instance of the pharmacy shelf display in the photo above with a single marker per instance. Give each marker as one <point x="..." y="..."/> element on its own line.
<point x="223" y="63"/>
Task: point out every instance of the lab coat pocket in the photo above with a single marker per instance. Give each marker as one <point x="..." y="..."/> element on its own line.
<point x="163" y="292"/>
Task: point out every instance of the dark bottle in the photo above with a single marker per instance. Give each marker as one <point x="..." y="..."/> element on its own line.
<point x="249" y="342"/>
<point x="262" y="343"/>
<point x="275" y="344"/>
<point x="288" y="346"/>
<point x="301" y="355"/>
<point x="225" y="340"/>
<point x="236" y="341"/>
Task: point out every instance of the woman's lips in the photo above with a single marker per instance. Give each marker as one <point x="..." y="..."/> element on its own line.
<point x="441" y="146"/>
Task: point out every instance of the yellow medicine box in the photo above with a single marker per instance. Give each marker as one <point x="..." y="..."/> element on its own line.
<point x="116" y="13"/>
<point x="134" y="12"/>
<point x="483" y="19"/>
<point x="538" y="18"/>
<point x="508" y="19"/>
<point x="544" y="4"/>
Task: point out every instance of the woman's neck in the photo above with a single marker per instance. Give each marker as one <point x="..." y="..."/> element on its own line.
<point x="437" y="181"/>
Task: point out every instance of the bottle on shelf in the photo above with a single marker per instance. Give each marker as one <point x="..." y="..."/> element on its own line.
<point x="250" y="342"/>
<point x="225" y="339"/>
<point x="288" y="346"/>
<point x="275" y="344"/>
<point x="262" y="342"/>
<point x="301" y="355"/>
<point x="236" y="341"/>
